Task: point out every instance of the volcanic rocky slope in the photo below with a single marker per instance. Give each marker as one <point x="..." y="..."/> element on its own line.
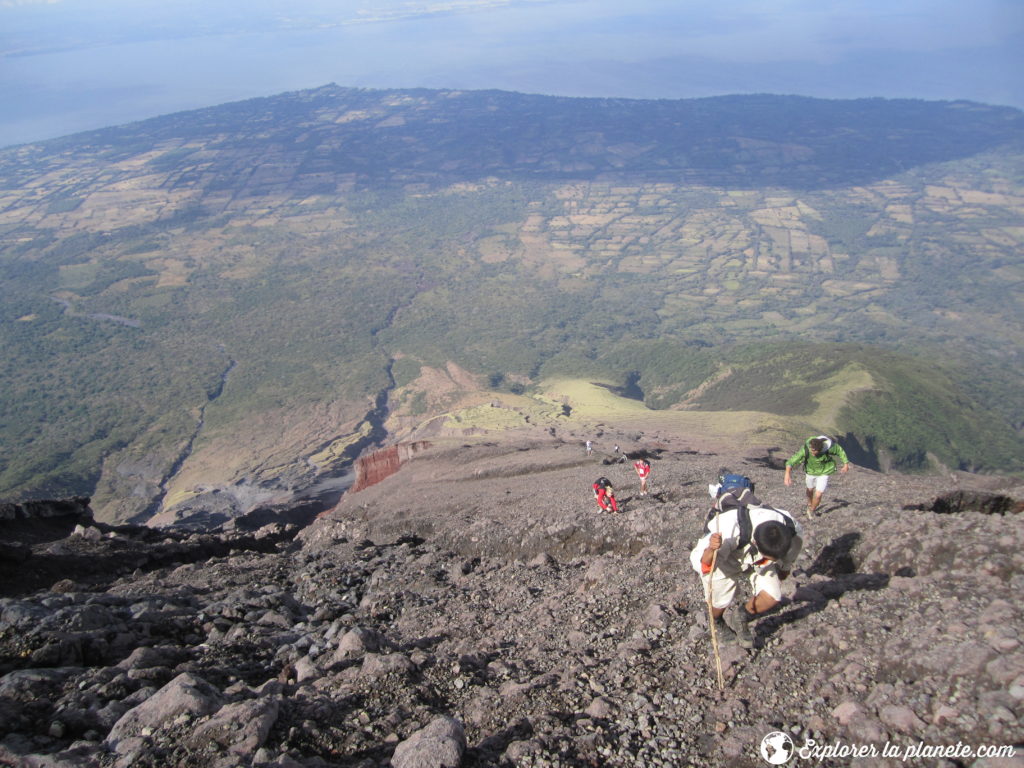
<point x="475" y="610"/>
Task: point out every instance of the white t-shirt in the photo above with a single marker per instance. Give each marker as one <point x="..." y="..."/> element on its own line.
<point x="734" y="562"/>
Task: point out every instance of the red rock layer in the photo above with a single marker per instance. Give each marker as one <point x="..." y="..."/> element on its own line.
<point x="379" y="465"/>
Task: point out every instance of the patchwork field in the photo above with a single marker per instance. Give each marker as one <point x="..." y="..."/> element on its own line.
<point x="170" y="287"/>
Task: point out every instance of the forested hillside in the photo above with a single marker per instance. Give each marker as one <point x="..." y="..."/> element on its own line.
<point x="218" y="299"/>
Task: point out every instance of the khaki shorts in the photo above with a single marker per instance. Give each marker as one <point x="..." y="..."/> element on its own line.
<point x="762" y="579"/>
<point x="817" y="482"/>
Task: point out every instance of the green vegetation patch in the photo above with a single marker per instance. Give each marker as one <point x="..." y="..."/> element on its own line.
<point x="65" y="205"/>
<point x="921" y="413"/>
<point x="905" y="410"/>
<point x="405" y="370"/>
<point x="78" y="276"/>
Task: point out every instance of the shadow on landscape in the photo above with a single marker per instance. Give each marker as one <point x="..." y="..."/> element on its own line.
<point x="834" y="506"/>
<point x="837" y="561"/>
<point x="771" y="461"/>
<point x="90" y="565"/>
<point x="836" y="558"/>
<point x="630" y="390"/>
<point x="863" y="455"/>
<point x="651" y="454"/>
<point x="497" y="743"/>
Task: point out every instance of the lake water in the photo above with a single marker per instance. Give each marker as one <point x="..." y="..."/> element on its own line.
<point x="643" y="49"/>
<point x="515" y="48"/>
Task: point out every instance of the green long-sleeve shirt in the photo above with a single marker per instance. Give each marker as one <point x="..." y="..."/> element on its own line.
<point x="823" y="463"/>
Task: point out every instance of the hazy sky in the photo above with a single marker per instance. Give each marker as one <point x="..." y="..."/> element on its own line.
<point x="71" y="65"/>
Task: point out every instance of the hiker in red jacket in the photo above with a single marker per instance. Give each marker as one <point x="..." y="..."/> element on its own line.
<point x="643" y="469"/>
<point x="605" y="495"/>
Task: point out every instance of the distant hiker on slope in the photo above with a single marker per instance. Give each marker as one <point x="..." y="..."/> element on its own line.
<point x="643" y="470"/>
<point x="818" y="456"/>
<point x="605" y="495"/>
<point x="590" y="447"/>
<point x="756" y="543"/>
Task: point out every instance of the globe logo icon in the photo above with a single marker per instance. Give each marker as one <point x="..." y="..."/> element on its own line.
<point x="777" y="748"/>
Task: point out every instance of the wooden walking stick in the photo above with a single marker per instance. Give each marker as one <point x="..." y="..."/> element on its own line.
<point x="711" y="613"/>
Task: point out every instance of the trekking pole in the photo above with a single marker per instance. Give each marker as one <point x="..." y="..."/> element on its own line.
<point x="711" y="614"/>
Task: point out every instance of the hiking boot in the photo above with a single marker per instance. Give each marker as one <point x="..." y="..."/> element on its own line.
<point x="738" y="619"/>
<point x="724" y="632"/>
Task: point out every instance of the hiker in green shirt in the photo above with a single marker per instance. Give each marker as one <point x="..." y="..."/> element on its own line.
<point x="818" y="457"/>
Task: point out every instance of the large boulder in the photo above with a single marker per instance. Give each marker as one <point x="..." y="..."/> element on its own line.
<point x="185" y="694"/>
<point x="240" y="728"/>
<point x="441" y="744"/>
<point x="359" y="641"/>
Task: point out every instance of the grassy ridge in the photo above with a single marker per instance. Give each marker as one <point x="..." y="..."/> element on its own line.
<point x="906" y="410"/>
<point x="892" y="410"/>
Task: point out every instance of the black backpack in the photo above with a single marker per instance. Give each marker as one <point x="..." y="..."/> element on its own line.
<point x="741" y="503"/>
<point x="603" y="482"/>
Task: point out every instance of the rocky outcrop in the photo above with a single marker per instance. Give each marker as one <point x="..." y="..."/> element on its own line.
<point x="77" y="508"/>
<point x="380" y="465"/>
<point x="989" y="503"/>
<point x="41" y="555"/>
<point x="34" y="522"/>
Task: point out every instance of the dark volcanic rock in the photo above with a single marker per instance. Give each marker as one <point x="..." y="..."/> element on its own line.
<point x="76" y="508"/>
<point x="69" y="554"/>
<point x="977" y="501"/>
<point x="37" y="522"/>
